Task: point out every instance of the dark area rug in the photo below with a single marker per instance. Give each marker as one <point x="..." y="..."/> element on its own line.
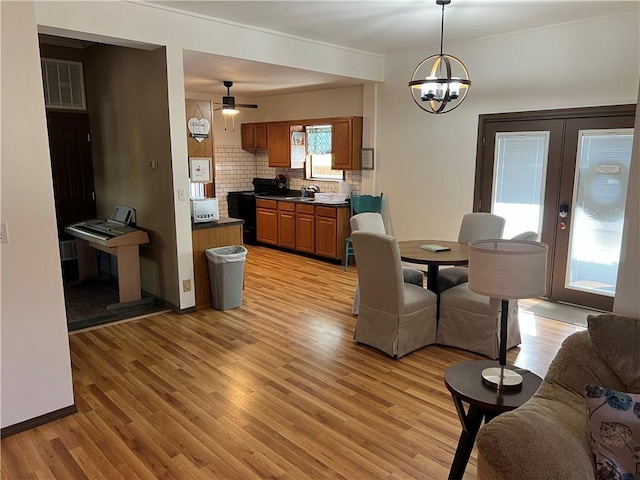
<point x="563" y="312"/>
<point x="86" y="305"/>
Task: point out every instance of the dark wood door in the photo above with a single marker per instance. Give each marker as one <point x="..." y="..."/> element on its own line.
<point x="72" y="168"/>
<point x="576" y="255"/>
<point x="593" y="193"/>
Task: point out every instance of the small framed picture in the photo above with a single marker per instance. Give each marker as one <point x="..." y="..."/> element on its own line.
<point x="200" y="169"/>
<point x="366" y="158"/>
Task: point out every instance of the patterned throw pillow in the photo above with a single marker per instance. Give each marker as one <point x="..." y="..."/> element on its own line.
<point x="613" y="421"/>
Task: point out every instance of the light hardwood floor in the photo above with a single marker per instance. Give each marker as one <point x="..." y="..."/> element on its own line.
<point x="275" y="389"/>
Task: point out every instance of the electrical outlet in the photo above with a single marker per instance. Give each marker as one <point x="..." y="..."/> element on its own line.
<point x="4" y="236"/>
<point x="186" y="285"/>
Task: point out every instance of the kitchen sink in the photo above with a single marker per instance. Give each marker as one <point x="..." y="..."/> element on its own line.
<point x="300" y="199"/>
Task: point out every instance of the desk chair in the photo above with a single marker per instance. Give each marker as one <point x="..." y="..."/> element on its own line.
<point x="360" y="204"/>
<point x="395" y="317"/>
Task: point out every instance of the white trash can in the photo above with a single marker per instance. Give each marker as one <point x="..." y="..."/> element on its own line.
<point x="226" y="275"/>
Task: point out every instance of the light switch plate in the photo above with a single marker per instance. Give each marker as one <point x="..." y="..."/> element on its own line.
<point x="4" y="236"/>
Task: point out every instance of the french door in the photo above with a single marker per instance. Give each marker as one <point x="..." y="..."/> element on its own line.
<point x="564" y="175"/>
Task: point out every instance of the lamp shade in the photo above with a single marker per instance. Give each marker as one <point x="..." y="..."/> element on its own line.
<point x="508" y="269"/>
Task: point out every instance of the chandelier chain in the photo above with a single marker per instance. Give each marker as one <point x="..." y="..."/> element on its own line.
<point x="442" y="30"/>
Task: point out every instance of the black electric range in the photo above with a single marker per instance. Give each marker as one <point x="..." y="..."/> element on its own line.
<point x="243" y="204"/>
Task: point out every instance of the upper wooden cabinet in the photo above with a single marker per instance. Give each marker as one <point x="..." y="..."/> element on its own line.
<point x="253" y="136"/>
<point x="278" y="144"/>
<point x="346" y="140"/>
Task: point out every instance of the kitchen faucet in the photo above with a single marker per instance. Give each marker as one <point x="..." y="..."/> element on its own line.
<point x="313" y="188"/>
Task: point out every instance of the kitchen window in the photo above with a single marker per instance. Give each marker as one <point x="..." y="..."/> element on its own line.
<point x="318" y="164"/>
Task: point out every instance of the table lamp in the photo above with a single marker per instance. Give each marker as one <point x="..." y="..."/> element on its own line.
<point x="506" y="269"/>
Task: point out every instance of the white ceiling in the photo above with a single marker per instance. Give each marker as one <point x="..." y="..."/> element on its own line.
<point x="388" y="27"/>
<point x="376" y="26"/>
<point x="383" y="27"/>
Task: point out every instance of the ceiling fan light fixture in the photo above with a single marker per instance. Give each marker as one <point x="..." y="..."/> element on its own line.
<point x="440" y="82"/>
<point x="229" y="107"/>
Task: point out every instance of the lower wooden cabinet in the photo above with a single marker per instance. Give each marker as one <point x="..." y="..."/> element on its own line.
<point x="267" y="221"/>
<point x="286" y="225"/>
<point x="305" y="228"/>
<point x="320" y="230"/>
<point x="223" y="234"/>
<point x="326" y="232"/>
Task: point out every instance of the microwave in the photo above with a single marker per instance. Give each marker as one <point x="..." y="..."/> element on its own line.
<point x="204" y="210"/>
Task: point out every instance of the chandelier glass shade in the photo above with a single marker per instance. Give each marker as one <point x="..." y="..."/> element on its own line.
<point x="440" y="82"/>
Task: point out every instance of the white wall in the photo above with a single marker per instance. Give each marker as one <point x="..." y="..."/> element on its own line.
<point x="35" y="362"/>
<point x="426" y="162"/>
<point x="627" y="301"/>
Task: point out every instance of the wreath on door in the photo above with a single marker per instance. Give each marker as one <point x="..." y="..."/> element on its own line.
<point x="604" y="193"/>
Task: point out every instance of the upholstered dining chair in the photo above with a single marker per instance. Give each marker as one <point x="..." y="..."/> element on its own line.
<point x="528" y="236"/>
<point x="372" y="222"/>
<point x="361" y="204"/>
<point x="395" y="317"/>
<point x="472" y="322"/>
<point x="474" y="226"/>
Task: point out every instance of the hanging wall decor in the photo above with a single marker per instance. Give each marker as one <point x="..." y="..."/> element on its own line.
<point x="200" y="170"/>
<point x="198" y="126"/>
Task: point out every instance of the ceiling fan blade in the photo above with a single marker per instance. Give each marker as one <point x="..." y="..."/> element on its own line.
<point x="246" y="105"/>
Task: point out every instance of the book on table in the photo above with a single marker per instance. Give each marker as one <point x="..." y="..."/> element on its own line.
<point x="434" y="247"/>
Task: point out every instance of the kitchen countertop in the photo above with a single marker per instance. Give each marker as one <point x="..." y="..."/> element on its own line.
<point x="294" y="199"/>
<point x="222" y="222"/>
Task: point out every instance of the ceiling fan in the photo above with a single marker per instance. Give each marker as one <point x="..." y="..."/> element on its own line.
<point x="229" y="105"/>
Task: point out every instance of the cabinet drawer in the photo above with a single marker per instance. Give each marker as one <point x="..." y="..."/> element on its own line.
<point x="262" y="203"/>
<point x="326" y="212"/>
<point x="306" y="209"/>
<point x="286" y="206"/>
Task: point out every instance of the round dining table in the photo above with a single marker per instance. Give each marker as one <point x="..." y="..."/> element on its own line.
<point x="411" y="252"/>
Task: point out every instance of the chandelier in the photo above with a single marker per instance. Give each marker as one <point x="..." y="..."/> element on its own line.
<point x="441" y="82"/>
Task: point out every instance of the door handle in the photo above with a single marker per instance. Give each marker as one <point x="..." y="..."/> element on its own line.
<point x="563" y="214"/>
<point x="564" y="211"/>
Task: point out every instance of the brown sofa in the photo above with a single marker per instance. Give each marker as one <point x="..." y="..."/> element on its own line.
<point x="547" y="437"/>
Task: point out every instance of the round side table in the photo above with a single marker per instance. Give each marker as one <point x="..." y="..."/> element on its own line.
<point x="464" y="381"/>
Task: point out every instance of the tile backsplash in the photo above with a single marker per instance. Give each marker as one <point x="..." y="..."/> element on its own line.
<point x="235" y="168"/>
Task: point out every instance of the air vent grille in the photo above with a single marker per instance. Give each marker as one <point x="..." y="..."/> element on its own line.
<point x="68" y="250"/>
<point x="63" y="84"/>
